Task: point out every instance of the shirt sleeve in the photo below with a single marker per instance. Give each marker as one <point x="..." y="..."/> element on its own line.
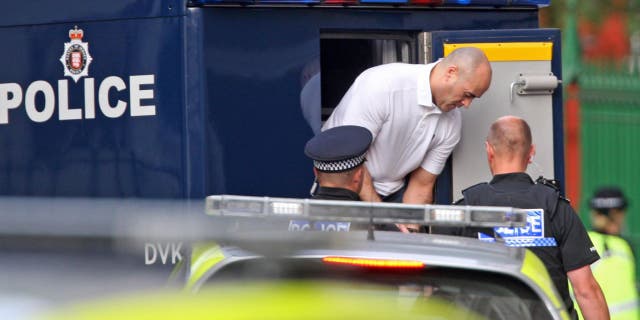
<point x="576" y="247"/>
<point x="365" y="104"/>
<point x="445" y="139"/>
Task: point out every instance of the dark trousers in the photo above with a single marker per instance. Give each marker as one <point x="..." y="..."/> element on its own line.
<point x="395" y="197"/>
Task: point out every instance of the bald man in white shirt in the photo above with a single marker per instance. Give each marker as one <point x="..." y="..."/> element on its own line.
<point x="412" y="112"/>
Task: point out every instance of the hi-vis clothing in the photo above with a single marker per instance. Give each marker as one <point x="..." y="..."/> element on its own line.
<point x="615" y="273"/>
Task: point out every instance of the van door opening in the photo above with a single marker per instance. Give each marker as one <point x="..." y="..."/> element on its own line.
<point x="344" y="55"/>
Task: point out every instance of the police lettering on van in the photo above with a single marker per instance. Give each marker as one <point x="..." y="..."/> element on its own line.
<point x="76" y="60"/>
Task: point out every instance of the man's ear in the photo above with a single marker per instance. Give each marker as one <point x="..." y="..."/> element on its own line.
<point x="315" y="172"/>
<point x="452" y="72"/>
<point x="532" y="152"/>
<point x="489" y="149"/>
<point x="359" y="174"/>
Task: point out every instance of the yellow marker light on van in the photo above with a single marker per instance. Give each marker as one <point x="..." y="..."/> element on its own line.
<point x="374" y="263"/>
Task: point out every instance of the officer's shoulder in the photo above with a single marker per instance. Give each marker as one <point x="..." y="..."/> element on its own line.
<point x="476" y="186"/>
<point x="551" y="185"/>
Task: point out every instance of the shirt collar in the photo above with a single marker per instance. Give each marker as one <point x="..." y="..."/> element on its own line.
<point x="329" y="193"/>
<point x="509" y="178"/>
<point x="425" y="98"/>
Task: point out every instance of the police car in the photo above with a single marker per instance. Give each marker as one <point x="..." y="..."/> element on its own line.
<point x="473" y="278"/>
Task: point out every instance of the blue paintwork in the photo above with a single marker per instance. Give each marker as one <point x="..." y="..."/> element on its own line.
<point x="384" y="1"/>
<point x="227" y="94"/>
<point x="126" y="156"/>
<point x="33" y="12"/>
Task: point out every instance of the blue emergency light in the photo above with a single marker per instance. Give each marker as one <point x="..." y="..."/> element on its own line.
<point x="340" y="2"/>
<point x="384" y="1"/>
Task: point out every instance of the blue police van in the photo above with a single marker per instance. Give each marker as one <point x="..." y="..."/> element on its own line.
<point x="183" y="99"/>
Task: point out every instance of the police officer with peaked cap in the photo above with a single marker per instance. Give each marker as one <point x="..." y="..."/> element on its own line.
<point x="608" y="205"/>
<point x="338" y="154"/>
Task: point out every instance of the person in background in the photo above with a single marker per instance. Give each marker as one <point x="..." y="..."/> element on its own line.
<point x="616" y="269"/>
<point x="554" y="231"/>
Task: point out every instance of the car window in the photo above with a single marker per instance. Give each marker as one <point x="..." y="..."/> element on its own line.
<point x="491" y="295"/>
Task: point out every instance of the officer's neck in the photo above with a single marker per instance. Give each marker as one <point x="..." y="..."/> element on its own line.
<point x="502" y="167"/>
<point x="349" y="186"/>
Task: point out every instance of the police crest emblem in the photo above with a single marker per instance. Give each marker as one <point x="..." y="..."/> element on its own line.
<point x="76" y="58"/>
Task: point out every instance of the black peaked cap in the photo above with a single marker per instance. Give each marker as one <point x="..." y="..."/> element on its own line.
<point x="339" y="148"/>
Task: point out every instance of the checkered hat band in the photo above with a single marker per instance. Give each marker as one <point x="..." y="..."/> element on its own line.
<point x="338" y="166"/>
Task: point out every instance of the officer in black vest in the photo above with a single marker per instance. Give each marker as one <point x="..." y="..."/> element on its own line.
<point x="338" y="154"/>
<point x="561" y="241"/>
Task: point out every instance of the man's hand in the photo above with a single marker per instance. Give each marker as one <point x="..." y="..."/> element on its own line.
<point x="408" y="228"/>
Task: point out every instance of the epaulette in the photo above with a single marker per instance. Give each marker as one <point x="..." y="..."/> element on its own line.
<point x="553" y="184"/>
<point x="462" y="200"/>
<point x="474" y="186"/>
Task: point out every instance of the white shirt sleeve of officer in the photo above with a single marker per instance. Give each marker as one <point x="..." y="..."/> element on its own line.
<point x="365" y="104"/>
<point x="445" y="139"/>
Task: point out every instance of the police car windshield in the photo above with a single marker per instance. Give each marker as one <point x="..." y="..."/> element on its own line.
<point x="472" y="293"/>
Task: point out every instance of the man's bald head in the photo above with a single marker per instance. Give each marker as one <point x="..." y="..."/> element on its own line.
<point x="461" y="76"/>
<point x="468" y="59"/>
<point x="510" y="138"/>
<point x="473" y="64"/>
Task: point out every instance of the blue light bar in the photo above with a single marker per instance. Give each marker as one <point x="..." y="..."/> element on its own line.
<point x="478" y="2"/>
<point x="385" y="1"/>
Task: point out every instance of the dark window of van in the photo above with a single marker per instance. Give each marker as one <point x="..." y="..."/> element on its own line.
<point x="343" y="56"/>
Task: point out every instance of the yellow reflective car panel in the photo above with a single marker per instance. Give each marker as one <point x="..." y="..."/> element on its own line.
<point x="535" y="270"/>
<point x="272" y="300"/>
<point x="203" y="257"/>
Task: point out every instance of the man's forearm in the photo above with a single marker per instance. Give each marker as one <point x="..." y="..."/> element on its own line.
<point x="416" y="195"/>
<point x="593" y="306"/>
<point x="368" y="192"/>
<point x="588" y="294"/>
<point x="420" y="187"/>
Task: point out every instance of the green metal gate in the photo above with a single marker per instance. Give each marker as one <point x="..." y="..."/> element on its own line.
<point x="610" y="138"/>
